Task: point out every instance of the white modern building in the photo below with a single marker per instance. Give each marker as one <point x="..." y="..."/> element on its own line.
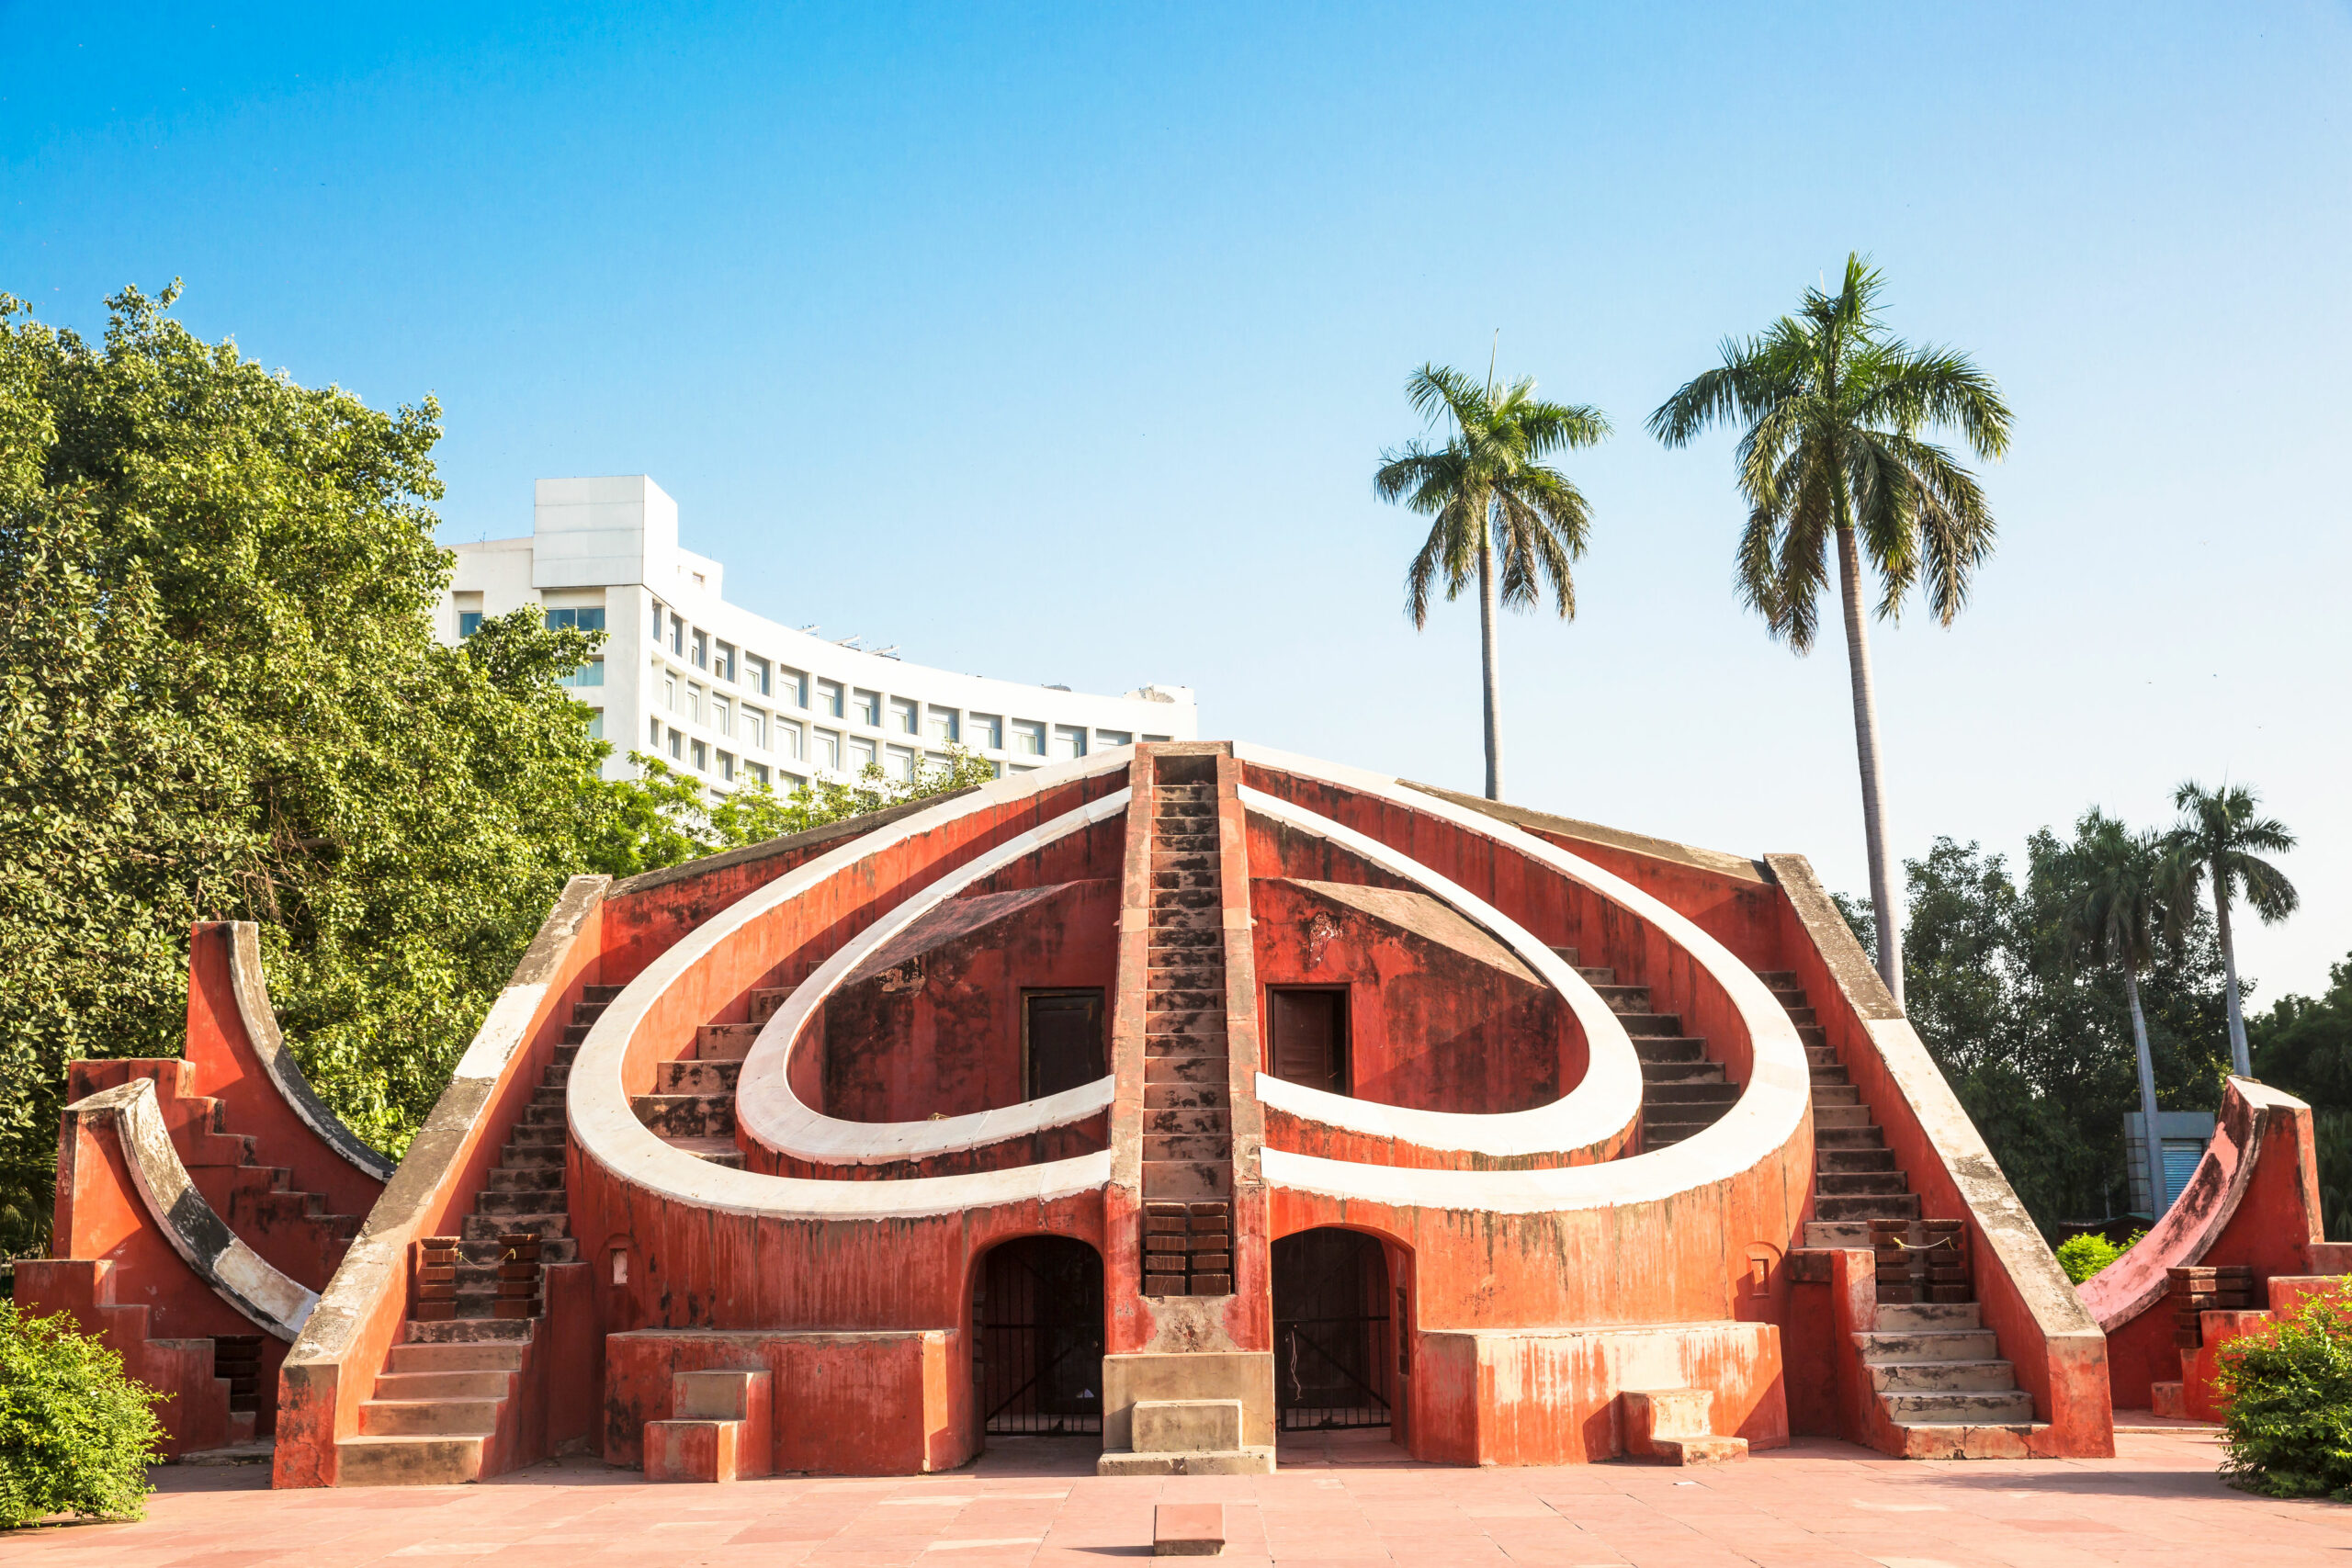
<point x="732" y="697"/>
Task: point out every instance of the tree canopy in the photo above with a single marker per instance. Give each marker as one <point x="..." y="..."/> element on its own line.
<point x="220" y="698"/>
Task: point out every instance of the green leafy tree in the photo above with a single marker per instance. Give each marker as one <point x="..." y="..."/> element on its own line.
<point x="2289" y="1392"/>
<point x="1499" y="512"/>
<point x="76" y="1433"/>
<point x="2115" y="914"/>
<point x="1831" y="410"/>
<point x="2037" y="1046"/>
<point x="220" y="698"/>
<point x="2220" y="838"/>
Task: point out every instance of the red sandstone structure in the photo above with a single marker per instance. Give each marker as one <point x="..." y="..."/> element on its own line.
<point x="1184" y="1095"/>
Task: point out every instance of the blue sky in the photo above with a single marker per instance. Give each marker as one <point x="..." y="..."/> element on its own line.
<point x="1060" y="343"/>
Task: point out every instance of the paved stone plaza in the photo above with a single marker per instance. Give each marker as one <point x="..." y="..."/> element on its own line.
<point x="1040" y="1503"/>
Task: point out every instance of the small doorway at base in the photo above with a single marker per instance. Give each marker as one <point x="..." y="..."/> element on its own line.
<point x="1333" y="1344"/>
<point x="1038" y="1354"/>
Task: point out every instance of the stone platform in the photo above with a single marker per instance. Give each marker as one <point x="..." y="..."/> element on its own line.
<point x="1337" y="1501"/>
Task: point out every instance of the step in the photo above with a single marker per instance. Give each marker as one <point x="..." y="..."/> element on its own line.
<point x="1847" y="1234"/>
<point x="697" y="1078"/>
<point x="1163" y="1149"/>
<point x="1207" y="1071"/>
<point x="1198" y="842"/>
<point x="1190" y="979"/>
<point x="484" y="1356"/>
<point x="488" y="1382"/>
<point x="1843" y="1116"/>
<point x="1626" y="999"/>
<point x="1665" y="1135"/>
<point x="524" y="1178"/>
<point x="1857" y="1183"/>
<point x="1665" y="1048"/>
<point x="686" y="1116"/>
<point x="1800" y="1014"/>
<point x="1834" y="1094"/>
<point x="1173" y="941"/>
<point x="1689" y="1091"/>
<point x="1963" y="1409"/>
<point x="1876" y="1206"/>
<point x="1778" y="979"/>
<point x="601" y="993"/>
<point x="1832" y="1074"/>
<point x="1190" y="1121"/>
<point x="1679" y="1072"/>
<point x="1182" y="1002"/>
<point x="428" y="1417"/>
<point x="589" y="1012"/>
<point x="1868" y="1136"/>
<point x="1567" y="955"/>
<point x="1937" y="1315"/>
<point x="1986" y="1376"/>
<point x="1597" y="975"/>
<point x="409" y="1461"/>
<point x="530" y="1201"/>
<point x="768" y="1001"/>
<point x="1183" y="1096"/>
<point x="1845" y="1162"/>
<point x="711" y="1151"/>
<point x="536" y="1135"/>
<point x="1173" y="1181"/>
<point x="472" y="1331"/>
<point x="724" y="1041"/>
<point x="488" y="1227"/>
<point x="489" y="1249"/>
<point x="1927" y="1344"/>
<point x="1651" y="1024"/>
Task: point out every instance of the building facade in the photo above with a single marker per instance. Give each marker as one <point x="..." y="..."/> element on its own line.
<point x="730" y="697"/>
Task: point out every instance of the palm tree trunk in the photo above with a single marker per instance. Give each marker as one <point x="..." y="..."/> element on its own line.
<point x="1858" y="661"/>
<point x="1486" y="652"/>
<point x="2155" y="1149"/>
<point x="2241" y="1059"/>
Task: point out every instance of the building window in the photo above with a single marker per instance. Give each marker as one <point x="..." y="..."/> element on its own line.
<point x="756" y="676"/>
<point x="591" y="620"/>
<point x="657" y="626"/>
<point x="1070" y="741"/>
<point x="1113" y="737"/>
<point x="946" y="725"/>
<point x="869" y="708"/>
<point x="719" y="714"/>
<point x="677" y="743"/>
<point x="702" y="758"/>
<point x="1155" y="740"/>
<point x="677" y="634"/>
<point x="726" y="766"/>
<point x="654" y="738"/>
<point x="670" y="693"/>
<point x="469" y="622"/>
<point x="755" y="728"/>
<point x="595" y="724"/>
<point x="702" y="651"/>
<point x="985" y="729"/>
<point x="861" y="755"/>
<point x="903" y="714"/>
<point x="589" y="674"/>
<point x="828" y="749"/>
<point x="902" y="762"/>
<point x="829" y="698"/>
<point x="759" y="774"/>
<point x="1028" y="737"/>
<point x="787" y="739"/>
<point x="725" y="668"/>
<point x="694" y="702"/>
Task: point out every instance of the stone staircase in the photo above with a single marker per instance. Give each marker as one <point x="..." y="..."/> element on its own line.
<point x="1188" y="1128"/>
<point x="1683" y="1091"/>
<point x="435" y="1413"/>
<point x="692" y="1103"/>
<point x="1935" y="1369"/>
<point x="291" y="1230"/>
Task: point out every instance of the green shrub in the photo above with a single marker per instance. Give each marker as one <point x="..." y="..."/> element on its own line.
<point x="2086" y="1255"/>
<point x="77" y="1434"/>
<point x="2289" y="1389"/>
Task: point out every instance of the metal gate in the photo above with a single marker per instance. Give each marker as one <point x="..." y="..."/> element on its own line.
<point x="1331" y="1331"/>
<point x="1040" y="1342"/>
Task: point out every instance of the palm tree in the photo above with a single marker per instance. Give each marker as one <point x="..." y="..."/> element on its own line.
<point x="1492" y="497"/>
<point x="2220" y="836"/>
<point x="1832" y="408"/>
<point x="2117" y="908"/>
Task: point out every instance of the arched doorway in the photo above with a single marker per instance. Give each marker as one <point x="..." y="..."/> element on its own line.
<point x="1334" y="1344"/>
<point x="1037" y="1354"/>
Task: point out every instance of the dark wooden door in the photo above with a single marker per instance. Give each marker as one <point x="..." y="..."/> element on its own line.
<point x="1065" y="1041"/>
<point x="1310" y="1038"/>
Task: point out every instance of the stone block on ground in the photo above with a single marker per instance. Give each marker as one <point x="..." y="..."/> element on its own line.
<point x="1188" y="1529"/>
